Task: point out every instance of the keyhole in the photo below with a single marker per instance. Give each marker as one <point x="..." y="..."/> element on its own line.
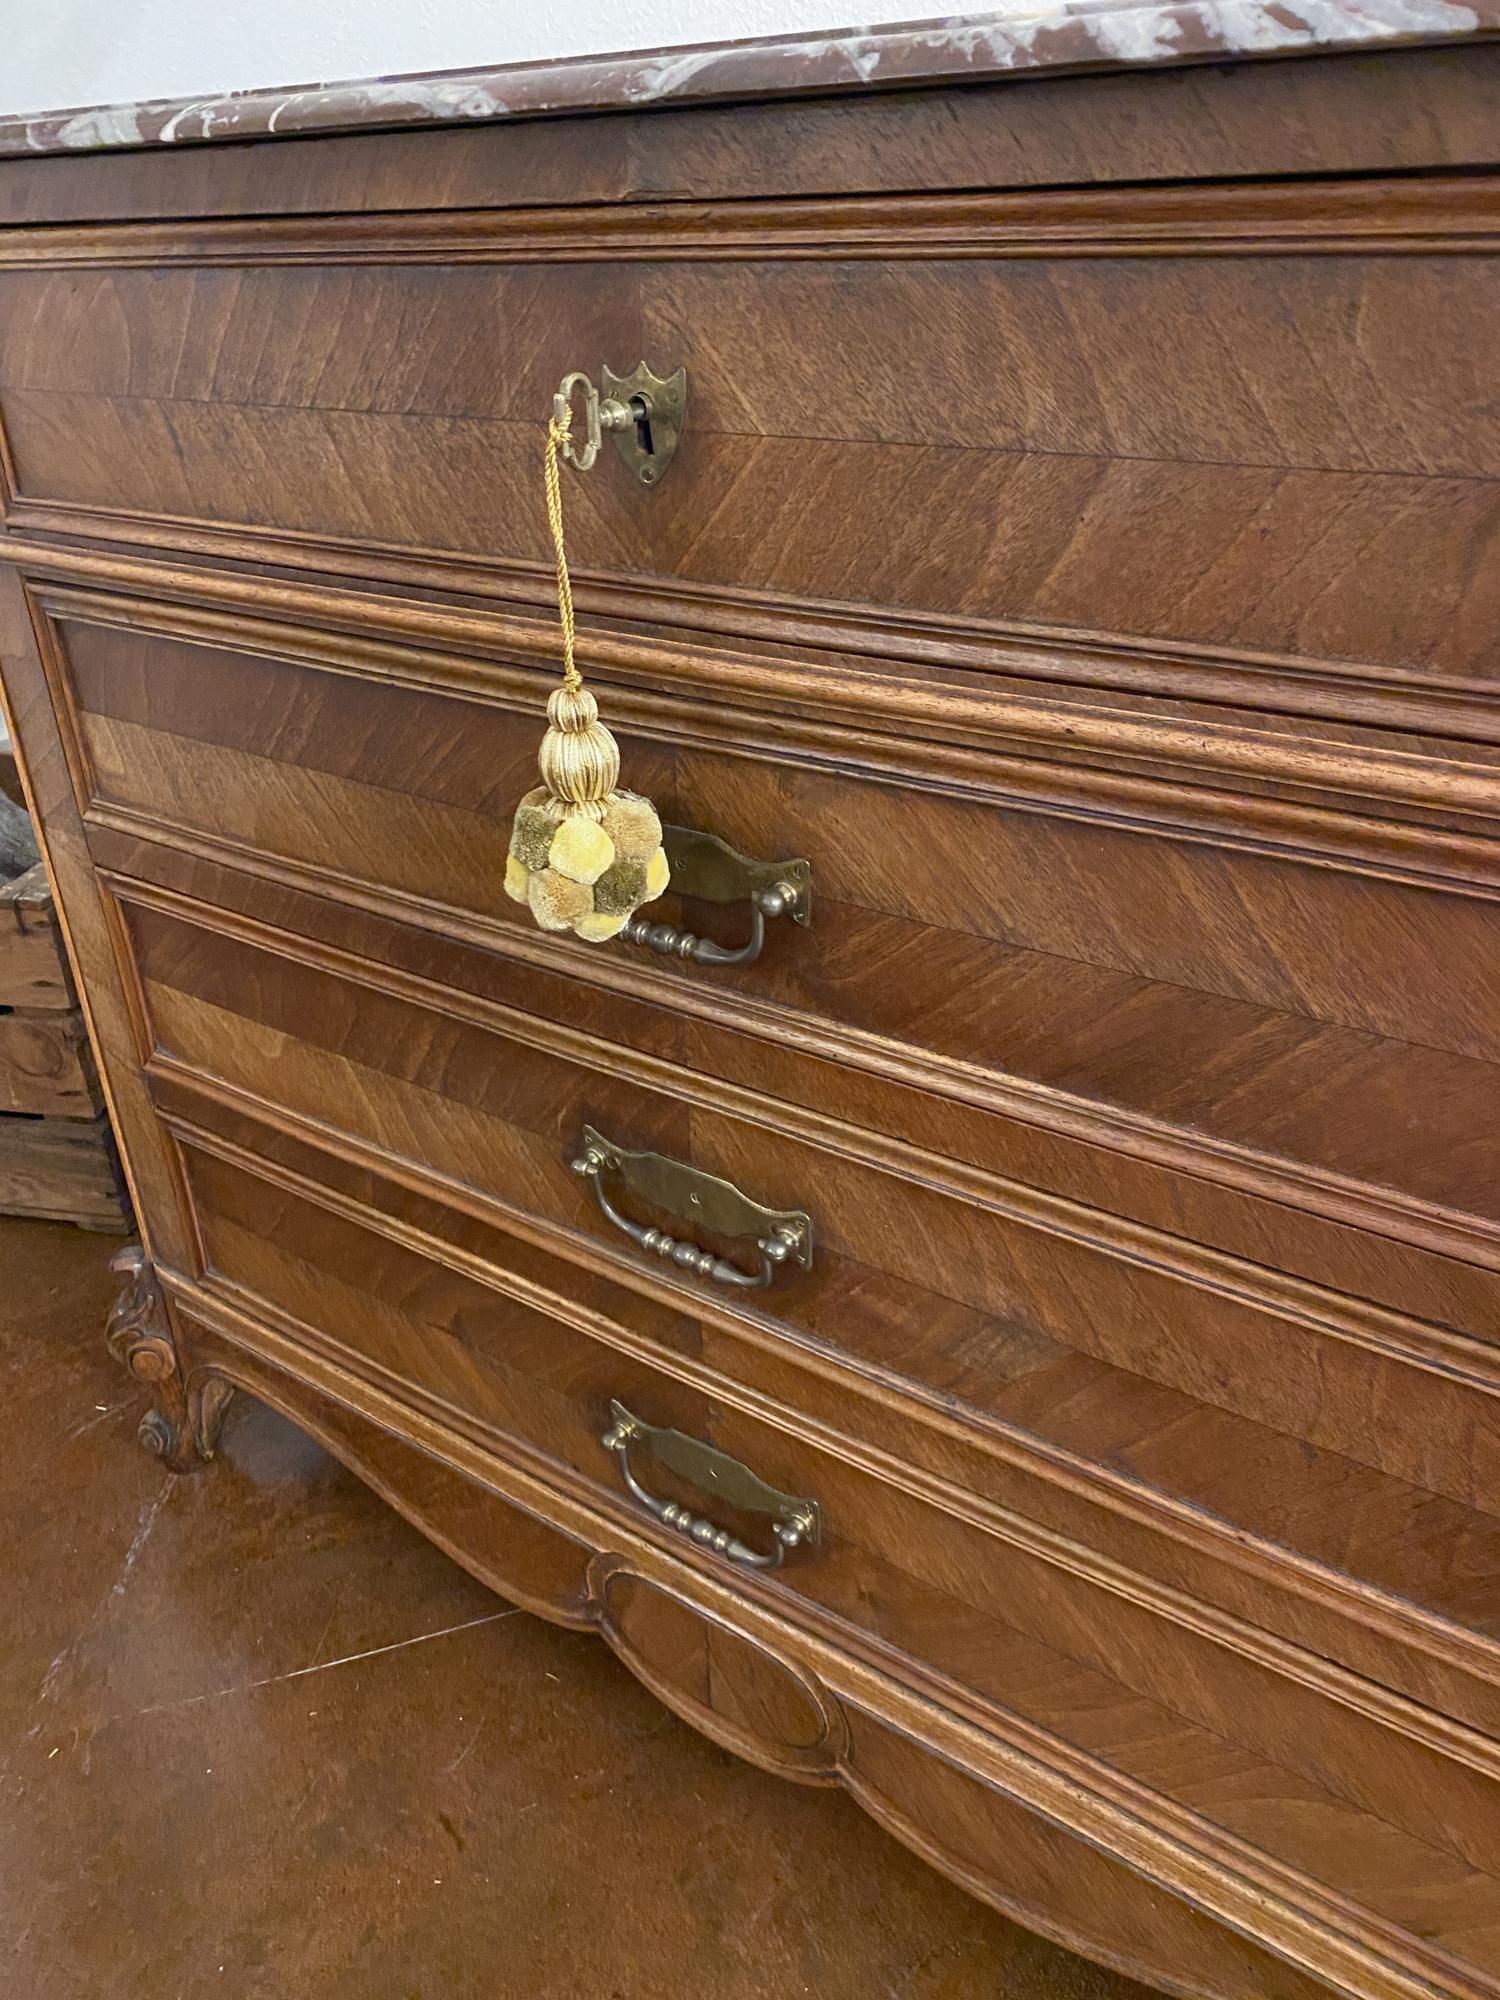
<point x="640" y="409"/>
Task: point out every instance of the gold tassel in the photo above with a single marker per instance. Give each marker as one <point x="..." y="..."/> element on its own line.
<point x="584" y="855"/>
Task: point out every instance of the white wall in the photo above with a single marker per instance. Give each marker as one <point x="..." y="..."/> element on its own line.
<point x="62" y="53"/>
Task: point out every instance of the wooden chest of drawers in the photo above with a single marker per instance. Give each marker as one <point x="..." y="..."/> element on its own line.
<point x="1082" y="556"/>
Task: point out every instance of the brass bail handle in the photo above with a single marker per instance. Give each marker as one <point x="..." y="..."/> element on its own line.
<point x="796" y="1522"/>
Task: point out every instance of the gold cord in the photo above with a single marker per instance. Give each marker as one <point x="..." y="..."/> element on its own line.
<point x="557" y="437"/>
<point x="579" y="759"/>
<point x="583" y="854"/>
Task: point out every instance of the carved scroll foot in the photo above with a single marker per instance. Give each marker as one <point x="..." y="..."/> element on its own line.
<point x="182" y="1427"/>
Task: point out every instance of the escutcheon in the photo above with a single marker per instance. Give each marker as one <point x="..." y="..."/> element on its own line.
<point x="658" y="410"/>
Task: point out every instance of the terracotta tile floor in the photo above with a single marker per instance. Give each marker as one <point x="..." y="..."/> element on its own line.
<point x="260" y="1741"/>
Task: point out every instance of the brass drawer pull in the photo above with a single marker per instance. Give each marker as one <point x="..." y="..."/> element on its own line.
<point x="707" y="868"/>
<point x="796" y="1521"/>
<point x="782" y="1236"/>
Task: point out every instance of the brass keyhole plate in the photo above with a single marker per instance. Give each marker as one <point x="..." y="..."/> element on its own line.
<point x="665" y="406"/>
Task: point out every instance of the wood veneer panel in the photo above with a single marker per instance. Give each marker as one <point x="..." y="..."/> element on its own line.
<point x="232" y="681"/>
<point x="1076" y="484"/>
<point x="455" y="343"/>
<point x="1427" y="757"/>
<point x="1296" y="941"/>
<point x="1281" y="936"/>
<point x="961" y="1820"/>
<point x="1395" y="570"/>
<point x="1302" y="941"/>
<point x="1351" y="363"/>
<point x="465" y="756"/>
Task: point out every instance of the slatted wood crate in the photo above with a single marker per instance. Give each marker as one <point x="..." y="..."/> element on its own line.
<point x="57" y="1155"/>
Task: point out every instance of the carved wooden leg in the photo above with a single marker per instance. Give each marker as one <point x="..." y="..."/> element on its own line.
<point x="182" y="1427"/>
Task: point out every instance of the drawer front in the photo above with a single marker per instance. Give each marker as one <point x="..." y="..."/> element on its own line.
<point x="959" y="418"/>
<point x="1370" y="1813"/>
<point x="1291" y="1060"/>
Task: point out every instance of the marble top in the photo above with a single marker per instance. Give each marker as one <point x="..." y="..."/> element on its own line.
<point x="1028" y="36"/>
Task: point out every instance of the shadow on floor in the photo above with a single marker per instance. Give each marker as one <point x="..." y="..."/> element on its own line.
<point x="260" y="1741"/>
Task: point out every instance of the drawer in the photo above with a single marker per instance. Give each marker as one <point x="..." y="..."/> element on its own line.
<point x="530" y="1356"/>
<point x="933" y="423"/>
<point x="1289" y="1060"/>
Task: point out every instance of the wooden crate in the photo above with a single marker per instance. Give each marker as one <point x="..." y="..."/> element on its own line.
<point x="57" y="1155"/>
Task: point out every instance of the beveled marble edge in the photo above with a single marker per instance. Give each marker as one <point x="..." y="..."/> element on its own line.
<point x="1031" y="35"/>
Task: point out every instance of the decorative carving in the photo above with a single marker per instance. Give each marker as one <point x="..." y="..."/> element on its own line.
<point x="179" y="1429"/>
<point x="764" y="1706"/>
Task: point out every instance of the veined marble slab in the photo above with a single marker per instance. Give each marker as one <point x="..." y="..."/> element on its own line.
<point x="1044" y="34"/>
